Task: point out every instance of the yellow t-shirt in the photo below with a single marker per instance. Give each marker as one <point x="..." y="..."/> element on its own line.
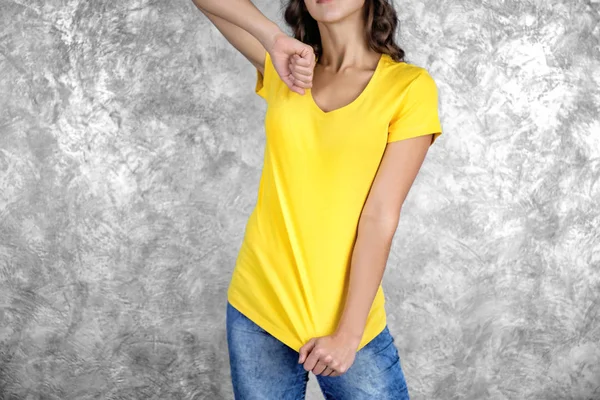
<point x="292" y="269"/>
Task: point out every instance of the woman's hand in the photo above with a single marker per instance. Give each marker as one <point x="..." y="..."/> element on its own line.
<point x="293" y="60"/>
<point x="330" y="355"/>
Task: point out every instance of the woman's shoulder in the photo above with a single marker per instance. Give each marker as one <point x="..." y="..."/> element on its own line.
<point x="402" y="73"/>
<point x="405" y="69"/>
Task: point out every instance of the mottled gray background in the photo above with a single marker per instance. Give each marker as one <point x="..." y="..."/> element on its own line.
<point x="131" y="145"/>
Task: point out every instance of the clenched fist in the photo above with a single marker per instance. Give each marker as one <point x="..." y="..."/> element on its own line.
<point x="330" y="355"/>
<point x="294" y="61"/>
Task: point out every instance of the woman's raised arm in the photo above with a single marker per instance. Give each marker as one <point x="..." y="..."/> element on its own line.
<point x="251" y="33"/>
<point x="253" y="38"/>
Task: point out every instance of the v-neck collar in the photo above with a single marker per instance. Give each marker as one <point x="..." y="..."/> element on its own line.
<point x="353" y="103"/>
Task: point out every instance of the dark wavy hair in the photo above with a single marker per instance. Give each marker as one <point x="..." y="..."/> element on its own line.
<point x="380" y="19"/>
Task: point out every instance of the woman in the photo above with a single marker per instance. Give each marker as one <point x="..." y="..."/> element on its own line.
<point x="348" y="125"/>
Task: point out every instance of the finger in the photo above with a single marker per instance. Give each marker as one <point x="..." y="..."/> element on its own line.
<point x="290" y="82"/>
<point x="295" y="67"/>
<point x="319" y="368"/>
<point x="303" y="56"/>
<point x="328" y="361"/>
<point x="286" y="75"/>
<point x="294" y="86"/>
<point x="304" y="350"/>
<point x="298" y="90"/>
<point x="303" y="62"/>
<point x="302" y="77"/>
<point x="299" y="70"/>
<point x="301" y="83"/>
<point x="312" y="359"/>
<point x="306" y="55"/>
<point x="322" y="364"/>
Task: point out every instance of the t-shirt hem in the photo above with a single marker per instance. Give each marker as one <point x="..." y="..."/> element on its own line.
<point x="380" y="328"/>
<point x="263" y="323"/>
<point x="395" y="136"/>
<point x="280" y="334"/>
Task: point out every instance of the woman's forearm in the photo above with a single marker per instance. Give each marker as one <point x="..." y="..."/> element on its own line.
<point x="244" y="14"/>
<point x="369" y="258"/>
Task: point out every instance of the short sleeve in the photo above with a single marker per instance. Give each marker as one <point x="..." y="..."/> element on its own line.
<point x="417" y="113"/>
<point x="262" y="82"/>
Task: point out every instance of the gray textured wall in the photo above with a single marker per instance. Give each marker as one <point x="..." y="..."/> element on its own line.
<point x="131" y="144"/>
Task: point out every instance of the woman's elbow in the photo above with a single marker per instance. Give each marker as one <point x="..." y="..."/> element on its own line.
<point x="385" y="223"/>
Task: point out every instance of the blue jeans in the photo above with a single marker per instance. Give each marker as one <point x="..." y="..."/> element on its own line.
<point x="263" y="368"/>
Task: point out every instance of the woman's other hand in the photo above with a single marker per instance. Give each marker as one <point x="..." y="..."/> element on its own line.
<point x="294" y="61"/>
<point x="330" y="355"/>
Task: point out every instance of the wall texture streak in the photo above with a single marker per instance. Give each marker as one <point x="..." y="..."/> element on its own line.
<point x="131" y="145"/>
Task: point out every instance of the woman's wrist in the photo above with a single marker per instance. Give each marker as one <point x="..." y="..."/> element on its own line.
<point x="348" y="336"/>
<point x="268" y="35"/>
